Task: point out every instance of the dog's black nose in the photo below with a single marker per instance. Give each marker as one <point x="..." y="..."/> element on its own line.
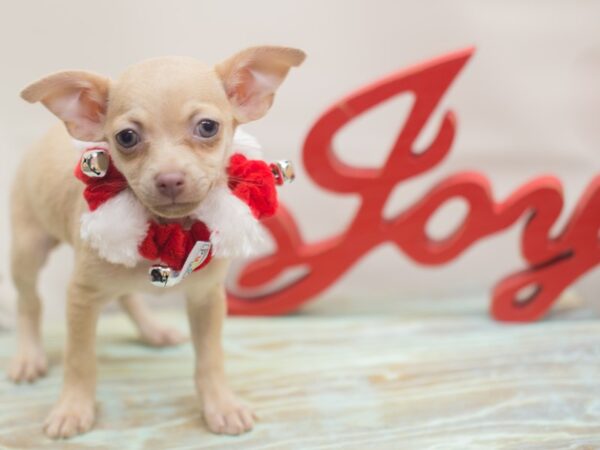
<point x="170" y="184"/>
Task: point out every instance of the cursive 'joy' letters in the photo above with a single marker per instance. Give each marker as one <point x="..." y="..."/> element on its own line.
<point x="553" y="262"/>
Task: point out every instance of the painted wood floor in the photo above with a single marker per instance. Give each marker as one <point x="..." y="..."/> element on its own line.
<point x="417" y="380"/>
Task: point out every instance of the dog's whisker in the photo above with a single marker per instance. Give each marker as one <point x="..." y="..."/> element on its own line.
<point x="93" y="188"/>
<point x="245" y="181"/>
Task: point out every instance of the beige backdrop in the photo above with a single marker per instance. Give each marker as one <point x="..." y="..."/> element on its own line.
<point x="528" y="102"/>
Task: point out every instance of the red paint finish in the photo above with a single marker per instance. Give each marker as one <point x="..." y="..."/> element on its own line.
<point x="554" y="263"/>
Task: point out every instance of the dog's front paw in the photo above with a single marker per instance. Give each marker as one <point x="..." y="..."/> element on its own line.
<point x="72" y="415"/>
<point x="224" y="414"/>
<point x="28" y="365"/>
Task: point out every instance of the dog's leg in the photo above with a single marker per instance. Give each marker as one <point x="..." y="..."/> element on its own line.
<point x="223" y="413"/>
<point x="151" y="331"/>
<point x="29" y="249"/>
<point x="74" y="412"/>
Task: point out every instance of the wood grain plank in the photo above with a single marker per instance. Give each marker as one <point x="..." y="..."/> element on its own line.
<point x="351" y="382"/>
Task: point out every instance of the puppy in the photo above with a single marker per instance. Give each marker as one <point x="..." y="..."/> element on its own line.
<point x="168" y="124"/>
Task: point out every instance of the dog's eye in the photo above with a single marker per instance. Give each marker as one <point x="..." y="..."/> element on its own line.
<point x="206" y="128"/>
<point x="127" y="138"/>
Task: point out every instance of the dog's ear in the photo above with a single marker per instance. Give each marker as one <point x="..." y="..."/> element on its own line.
<point x="252" y="76"/>
<point x="78" y="98"/>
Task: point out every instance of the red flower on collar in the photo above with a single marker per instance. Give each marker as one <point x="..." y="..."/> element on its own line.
<point x="252" y="181"/>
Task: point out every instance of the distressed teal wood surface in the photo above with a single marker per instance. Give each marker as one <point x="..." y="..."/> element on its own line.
<point x="352" y="382"/>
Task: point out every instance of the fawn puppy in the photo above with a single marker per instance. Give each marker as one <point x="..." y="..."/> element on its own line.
<point x="168" y="125"/>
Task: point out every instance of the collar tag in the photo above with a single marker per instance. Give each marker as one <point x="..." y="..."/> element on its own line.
<point x="164" y="276"/>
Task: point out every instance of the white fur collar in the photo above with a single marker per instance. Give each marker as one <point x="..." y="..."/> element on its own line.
<point x="234" y="230"/>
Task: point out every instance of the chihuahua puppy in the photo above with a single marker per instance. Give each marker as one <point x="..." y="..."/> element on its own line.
<point x="154" y="120"/>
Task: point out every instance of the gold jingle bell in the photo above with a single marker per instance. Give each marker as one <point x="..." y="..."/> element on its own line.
<point x="94" y="163"/>
<point x="283" y="171"/>
<point x="160" y="276"/>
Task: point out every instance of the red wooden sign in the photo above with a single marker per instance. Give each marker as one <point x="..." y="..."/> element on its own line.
<point x="552" y="262"/>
